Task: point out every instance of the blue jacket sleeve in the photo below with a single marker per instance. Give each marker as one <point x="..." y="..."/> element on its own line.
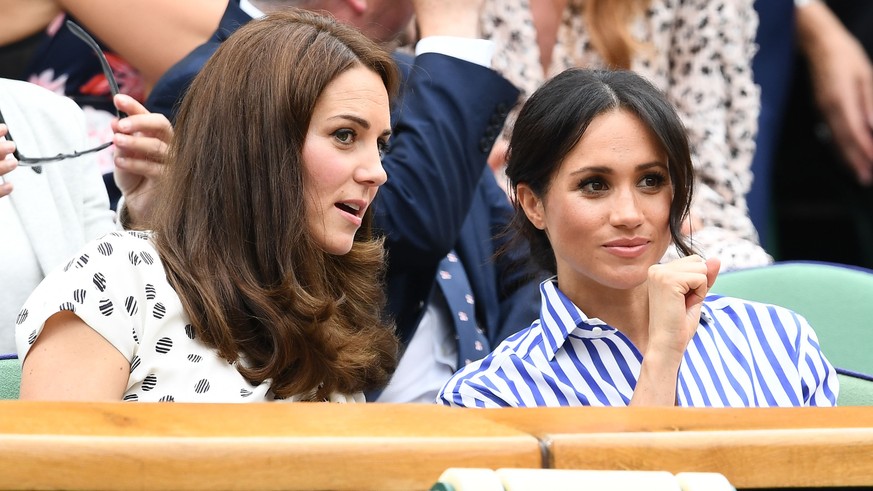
<point x="167" y="93"/>
<point x="450" y="113"/>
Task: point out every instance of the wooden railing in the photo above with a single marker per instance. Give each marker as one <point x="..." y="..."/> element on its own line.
<point x="375" y="446"/>
<point x="752" y="447"/>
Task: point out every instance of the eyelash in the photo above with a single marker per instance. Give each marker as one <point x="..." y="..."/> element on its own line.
<point x="345" y="132"/>
<point x="660" y="179"/>
<point x="382" y="143"/>
<point x="584" y="185"/>
<point x="384" y="147"/>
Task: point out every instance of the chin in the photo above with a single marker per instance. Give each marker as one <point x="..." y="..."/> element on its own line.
<point x="338" y="249"/>
<point x="626" y="278"/>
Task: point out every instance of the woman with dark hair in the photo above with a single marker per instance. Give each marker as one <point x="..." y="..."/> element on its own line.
<point x="601" y="169"/>
<point x="698" y="52"/>
<point x="257" y="282"/>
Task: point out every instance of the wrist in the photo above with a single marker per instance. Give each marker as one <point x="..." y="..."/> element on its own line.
<point x="660" y="363"/>
<point x="816" y="27"/>
<point x="465" y="25"/>
<point x="656" y="385"/>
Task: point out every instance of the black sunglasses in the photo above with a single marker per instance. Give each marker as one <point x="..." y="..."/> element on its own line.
<point x="113" y="87"/>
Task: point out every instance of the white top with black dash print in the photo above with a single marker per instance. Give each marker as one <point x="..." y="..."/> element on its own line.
<point x="118" y="287"/>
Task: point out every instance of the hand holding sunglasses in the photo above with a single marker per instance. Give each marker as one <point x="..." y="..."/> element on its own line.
<point x="113" y="87"/>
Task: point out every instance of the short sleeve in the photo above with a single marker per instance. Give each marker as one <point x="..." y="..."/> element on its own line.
<point x="107" y="284"/>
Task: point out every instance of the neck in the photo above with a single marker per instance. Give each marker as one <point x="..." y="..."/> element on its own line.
<point x="624" y="309"/>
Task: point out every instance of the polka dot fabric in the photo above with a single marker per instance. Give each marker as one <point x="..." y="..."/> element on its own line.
<point x="118" y="287"/>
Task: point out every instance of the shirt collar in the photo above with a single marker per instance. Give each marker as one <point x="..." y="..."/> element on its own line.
<point x="559" y="317"/>
<point x="706" y="311"/>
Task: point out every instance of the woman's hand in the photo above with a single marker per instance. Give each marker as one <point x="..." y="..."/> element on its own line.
<point x="842" y="77"/>
<point x="141" y="143"/>
<point x="7" y="163"/>
<point x="676" y="293"/>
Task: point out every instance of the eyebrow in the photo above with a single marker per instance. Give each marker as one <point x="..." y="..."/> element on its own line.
<point x="360" y="121"/>
<point x="608" y="170"/>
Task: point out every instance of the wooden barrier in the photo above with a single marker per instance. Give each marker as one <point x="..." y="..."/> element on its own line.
<point x="382" y="446"/>
<point x="752" y="447"/>
<point x="118" y="446"/>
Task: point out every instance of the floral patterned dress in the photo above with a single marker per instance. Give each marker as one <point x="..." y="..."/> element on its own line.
<point x="700" y="55"/>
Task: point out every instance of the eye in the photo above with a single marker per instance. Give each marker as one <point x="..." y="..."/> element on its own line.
<point x="653" y="181"/>
<point x="384" y="147"/>
<point x="345" y="136"/>
<point x="593" y="185"/>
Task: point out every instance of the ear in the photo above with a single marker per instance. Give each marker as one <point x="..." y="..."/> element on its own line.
<point x="531" y="204"/>
<point x="358" y="6"/>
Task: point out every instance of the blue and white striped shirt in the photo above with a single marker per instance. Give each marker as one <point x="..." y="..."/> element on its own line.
<point x="743" y="354"/>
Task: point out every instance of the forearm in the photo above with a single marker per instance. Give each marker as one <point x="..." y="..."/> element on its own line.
<point x="656" y="385"/>
<point x="816" y="26"/>
<point x="438" y="18"/>
<point x="23" y="18"/>
<point x="842" y="80"/>
<point x="152" y="35"/>
<point x="676" y="291"/>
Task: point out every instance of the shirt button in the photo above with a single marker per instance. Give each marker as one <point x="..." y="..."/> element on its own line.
<point x="596" y="330"/>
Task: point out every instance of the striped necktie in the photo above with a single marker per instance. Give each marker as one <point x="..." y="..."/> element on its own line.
<point x="472" y="343"/>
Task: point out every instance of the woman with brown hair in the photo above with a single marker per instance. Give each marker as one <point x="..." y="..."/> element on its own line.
<point x="257" y="280"/>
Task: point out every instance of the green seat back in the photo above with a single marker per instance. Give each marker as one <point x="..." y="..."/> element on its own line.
<point x="855" y="391"/>
<point x="10" y="378"/>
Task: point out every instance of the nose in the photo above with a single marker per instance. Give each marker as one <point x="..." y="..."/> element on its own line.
<point x="625" y="209"/>
<point x="370" y="171"/>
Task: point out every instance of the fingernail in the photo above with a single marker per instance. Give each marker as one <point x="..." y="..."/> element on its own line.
<point x="124" y="124"/>
<point x="121" y="139"/>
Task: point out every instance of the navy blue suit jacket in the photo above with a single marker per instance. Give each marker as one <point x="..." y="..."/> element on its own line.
<point x="438" y="195"/>
<point x="169" y="89"/>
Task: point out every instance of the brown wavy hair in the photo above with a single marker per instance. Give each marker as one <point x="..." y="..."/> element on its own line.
<point x="608" y="22"/>
<point x="231" y="228"/>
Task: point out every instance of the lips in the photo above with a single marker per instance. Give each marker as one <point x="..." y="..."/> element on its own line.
<point x="627" y="247"/>
<point x="353" y="210"/>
